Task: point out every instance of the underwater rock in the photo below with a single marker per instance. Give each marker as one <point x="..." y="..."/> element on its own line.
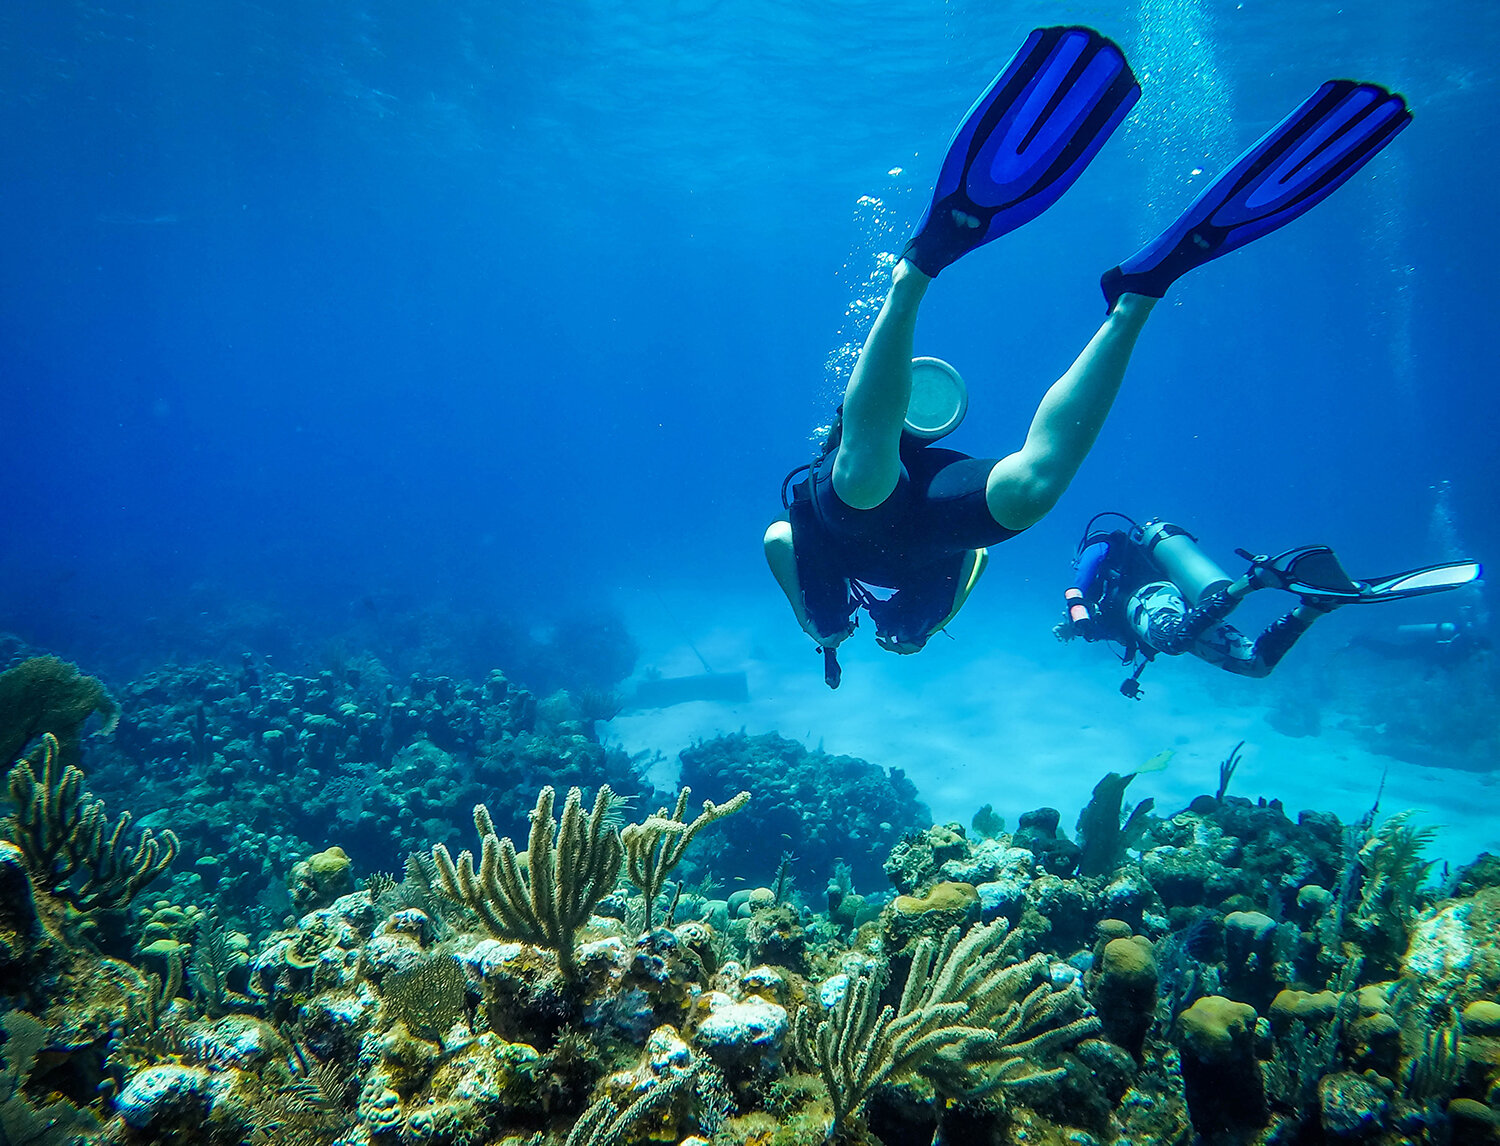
<point x="321" y="878"/>
<point x="1249" y="960"/>
<point x="334" y="1022"/>
<point x="1002" y="899"/>
<point x="775" y="935"/>
<point x="1122" y="987"/>
<point x="1220" y="1073"/>
<point x="989" y="861"/>
<point x="237" y="1042"/>
<point x="743" y="1038"/>
<point x="829" y="808"/>
<point x="1483" y="872"/>
<point x="1451" y="946"/>
<point x="400" y="943"/>
<point x="488" y="1077"/>
<point x="167" y="1101"/>
<point x="23" y="940"/>
<point x="1068" y="909"/>
<point x="918" y="857"/>
<point x="944" y="905"/>
<point x="1351" y="1106"/>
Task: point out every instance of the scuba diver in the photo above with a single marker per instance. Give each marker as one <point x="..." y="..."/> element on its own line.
<point x="1151" y="590"/>
<point x="882" y="505"/>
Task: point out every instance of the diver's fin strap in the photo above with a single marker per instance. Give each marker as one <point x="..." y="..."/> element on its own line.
<point x="1308" y="570"/>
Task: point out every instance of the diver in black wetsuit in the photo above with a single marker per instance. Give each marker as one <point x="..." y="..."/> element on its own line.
<point x="882" y="506"/>
<point x="1152" y="591"/>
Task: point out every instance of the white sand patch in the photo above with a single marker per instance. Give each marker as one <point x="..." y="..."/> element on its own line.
<point x="1006" y="715"/>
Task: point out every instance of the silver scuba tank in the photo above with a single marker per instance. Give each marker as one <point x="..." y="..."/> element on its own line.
<point x="1175" y="552"/>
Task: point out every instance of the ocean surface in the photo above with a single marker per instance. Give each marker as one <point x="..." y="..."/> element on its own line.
<point x="333" y="328"/>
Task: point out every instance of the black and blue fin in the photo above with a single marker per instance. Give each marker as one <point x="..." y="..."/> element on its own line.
<point x="1295" y="166"/>
<point x="1025" y="142"/>
<point x="1421" y="582"/>
<point x="1309" y="570"/>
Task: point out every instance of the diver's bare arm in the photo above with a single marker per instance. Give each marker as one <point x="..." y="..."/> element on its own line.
<point x="1023" y="487"/>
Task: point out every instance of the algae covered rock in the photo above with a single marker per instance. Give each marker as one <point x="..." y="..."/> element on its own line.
<point x="321" y="878"/>
<point x="172" y="1101"/>
<point x="1122" y="987"/>
<point x="1452" y="949"/>
<point x="1220" y="1073"/>
<point x="1351" y="1106"/>
<point x="913" y="917"/>
<point x="745" y="1038"/>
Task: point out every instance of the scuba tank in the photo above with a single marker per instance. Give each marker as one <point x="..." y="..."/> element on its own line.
<point x="1175" y="552"/>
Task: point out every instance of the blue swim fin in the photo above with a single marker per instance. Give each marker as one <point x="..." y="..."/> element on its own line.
<point x="1025" y="142"/>
<point x="1295" y="166"/>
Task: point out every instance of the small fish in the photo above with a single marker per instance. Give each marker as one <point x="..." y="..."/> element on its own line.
<point x="1157" y="762"/>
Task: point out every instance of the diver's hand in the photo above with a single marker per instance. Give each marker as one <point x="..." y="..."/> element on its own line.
<point x="1069" y="629"/>
<point x="1263" y="573"/>
<point x="896" y="645"/>
<point x="829" y="642"/>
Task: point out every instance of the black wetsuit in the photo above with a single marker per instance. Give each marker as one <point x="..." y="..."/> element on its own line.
<point x="917" y="542"/>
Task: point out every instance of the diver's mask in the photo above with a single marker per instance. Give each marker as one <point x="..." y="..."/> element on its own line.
<point x="939" y="400"/>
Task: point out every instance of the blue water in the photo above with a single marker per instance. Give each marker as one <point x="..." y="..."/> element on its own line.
<point x="314" y="312"/>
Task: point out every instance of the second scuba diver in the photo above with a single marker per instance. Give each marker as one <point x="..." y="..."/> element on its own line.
<point x="882" y="506"/>
<point x="1151" y="590"/>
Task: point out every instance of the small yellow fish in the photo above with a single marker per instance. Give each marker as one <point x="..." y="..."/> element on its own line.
<point x="1157" y="762"/>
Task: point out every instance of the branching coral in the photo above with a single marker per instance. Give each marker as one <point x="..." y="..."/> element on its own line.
<point x="62" y="829"/>
<point x="569" y="869"/>
<point x="653" y="848"/>
<point x="604" y="1123"/>
<point x="1392" y="873"/>
<point x="963" y="1002"/>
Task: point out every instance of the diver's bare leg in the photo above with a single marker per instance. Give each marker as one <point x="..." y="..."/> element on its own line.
<point x="868" y="463"/>
<point x="1023" y="487"/>
<point x="782" y="558"/>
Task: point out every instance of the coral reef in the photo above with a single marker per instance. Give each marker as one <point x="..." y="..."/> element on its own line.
<point x="257" y="770"/>
<point x="1225" y="973"/>
<point x="829" y="809"/>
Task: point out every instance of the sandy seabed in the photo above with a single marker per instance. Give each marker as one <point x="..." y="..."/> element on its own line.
<point x="1006" y="715"/>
